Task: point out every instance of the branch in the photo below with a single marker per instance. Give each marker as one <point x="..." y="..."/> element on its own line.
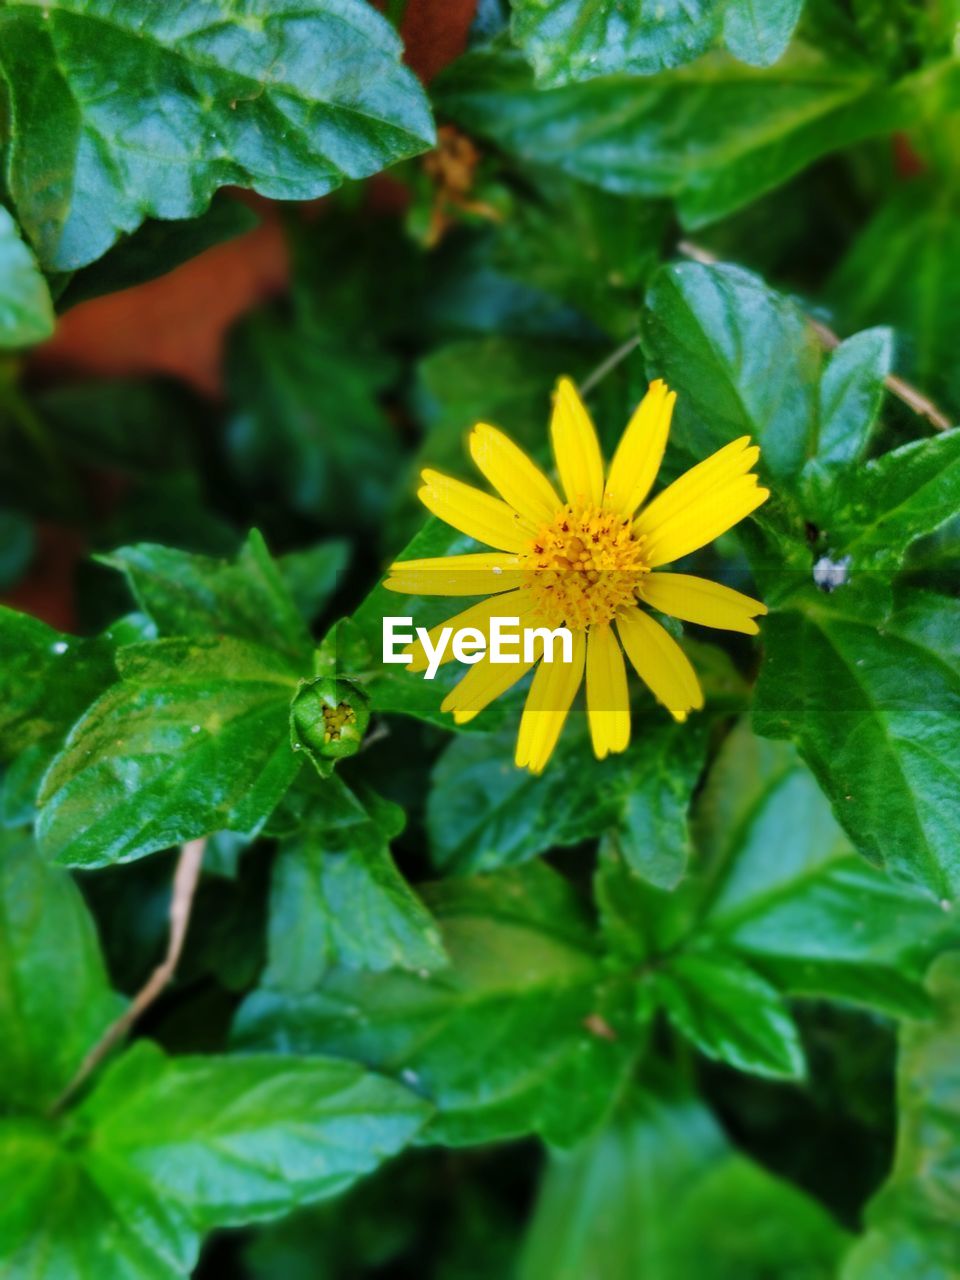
<point x="608" y="365"/>
<point x="909" y="395"/>
<point x="185" y="880"/>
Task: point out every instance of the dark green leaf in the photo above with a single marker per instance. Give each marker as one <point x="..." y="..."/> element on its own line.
<point x="744" y="359"/>
<point x="851" y="392"/>
<point x="55" y="999"/>
<point x="192" y="740"/>
<point x="872" y="702"/>
<point x="483" y="812"/>
<point x="312" y="576"/>
<point x="338" y="898"/>
<point x="289" y="102"/>
<point x="506" y="1041"/>
<point x="188" y="595"/>
<point x="911" y="1222"/>
<point x="26" y="311"/>
<point x="730" y="1013"/>
<point x="660" y="1193"/>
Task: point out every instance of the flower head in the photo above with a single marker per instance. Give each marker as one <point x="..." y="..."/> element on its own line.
<point x="590" y="561"/>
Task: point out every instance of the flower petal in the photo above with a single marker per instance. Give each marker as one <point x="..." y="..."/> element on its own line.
<point x="511" y="604"/>
<point x="660" y="663"/>
<point x="475" y="513"/>
<point x="608" y="703"/>
<point x="576" y="447"/>
<point x="640" y="451"/>
<point x="483" y="684"/>
<point x="479" y="574"/>
<point x="515" y="477"/>
<point x="693" y="599"/>
<point x="548" y="702"/>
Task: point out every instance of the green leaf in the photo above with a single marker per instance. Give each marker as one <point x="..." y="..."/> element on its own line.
<point x="661" y="1193"/>
<point x="289" y="102"/>
<point x="157" y="248"/>
<point x="568" y="40"/>
<point x="55" y="998"/>
<point x="851" y="392"/>
<point x="483" y="812"/>
<point x="911" y="1222"/>
<point x="506" y="1041"/>
<point x="899" y="272"/>
<point x="309" y="424"/>
<point x="313" y="575"/>
<point x="815" y="919"/>
<point x="730" y="1013"/>
<point x="744" y="359"/>
<point x="193" y="740"/>
<point x="189" y="595"/>
<point x="879" y="509"/>
<point x="338" y="898"/>
<point x="26" y="311"/>
<point x="744" y="131"/>
<point x="871" y="699"/>
<point x="165" y="1149"/>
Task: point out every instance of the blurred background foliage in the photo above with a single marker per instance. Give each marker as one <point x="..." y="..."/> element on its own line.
<point x="676" y="1014"/>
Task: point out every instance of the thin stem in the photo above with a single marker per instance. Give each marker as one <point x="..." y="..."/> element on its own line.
<point x="914" y="399"/>
<point x="608" y="365"/>
<point x="185" y="880"/>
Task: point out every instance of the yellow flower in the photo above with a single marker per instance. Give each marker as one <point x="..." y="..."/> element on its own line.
<point x="587" y="563"/>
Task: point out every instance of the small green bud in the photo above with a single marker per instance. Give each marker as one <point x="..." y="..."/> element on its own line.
<point x="328" y="718"/>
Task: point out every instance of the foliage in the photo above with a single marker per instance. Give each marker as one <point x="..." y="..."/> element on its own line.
<point x="419" y="986"/>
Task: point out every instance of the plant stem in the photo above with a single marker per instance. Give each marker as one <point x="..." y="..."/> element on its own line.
<point x="185" y="880"/>
<point x="904" y="391"/>
<point x="608" y="365"/>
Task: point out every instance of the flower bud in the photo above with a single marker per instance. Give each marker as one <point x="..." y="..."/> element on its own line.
<point x="328" y="718"/>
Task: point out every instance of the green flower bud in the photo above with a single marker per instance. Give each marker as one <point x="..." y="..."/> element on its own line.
<point x="328" y="718"/>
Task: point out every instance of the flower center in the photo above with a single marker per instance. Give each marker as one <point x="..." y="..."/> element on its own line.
<point x="583" y="566"/>
<point x="336" y="719"/>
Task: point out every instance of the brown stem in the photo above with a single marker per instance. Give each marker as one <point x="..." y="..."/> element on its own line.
<point x="904" y="391"/>
<point x="608" y="365"/>
<point x="185" y="880"/>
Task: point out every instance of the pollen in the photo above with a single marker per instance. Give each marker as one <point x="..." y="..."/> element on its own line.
<point x="583" y="566"/>
<point x="335" y="719"/>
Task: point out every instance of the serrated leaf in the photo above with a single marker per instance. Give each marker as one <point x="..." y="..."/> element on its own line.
<point x="191" y="595"/>
<point x="192" y="740"/>
<point x="55" y="997"/>
<point x="730" y="1013"/>
<point x="872" y="700"/>
<point x="26" y="310"/>
<point x="816" y="918"/>
<point x="501" y="1041"/>
<point x="568" y="40"/>
<point x="744" y="131"/>
<point x="288" y="101"/>
<point x="911" y="1221"/>
<point x="660" y="1190"/>
<point x="744" y="359"/>
<point x="483" y="812"/>
<point x="337" y="897"/>
<point x="165" y="1149"/>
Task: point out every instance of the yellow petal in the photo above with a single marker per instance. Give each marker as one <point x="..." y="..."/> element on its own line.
<point x="548" y="702"/>
<point x="483" y="684"/>
<point x="470" y="575"/>
<point x="704" y="521"/>
<point x="697" y="600"/>
<point x="512" y="604"/>
<point x="575" y="447"/>
<point x="640" y="451"/>
<point x="734" y="459"/>
<point x="660" y="663"/>
<point x="608" y="704"/>
<point x="475" y="513"/>
<point x="515" y="477"/>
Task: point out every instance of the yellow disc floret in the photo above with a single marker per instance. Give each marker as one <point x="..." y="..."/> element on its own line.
<point x="583" y="566"/>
